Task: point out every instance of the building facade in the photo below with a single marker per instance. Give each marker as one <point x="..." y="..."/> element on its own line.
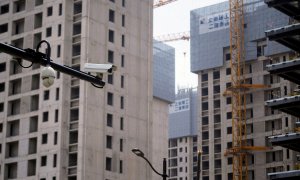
<point x="182" y="163"/>
<point x="164" y="94"/>
<point x="210" y="59"/>
<point x="73" y="130"/>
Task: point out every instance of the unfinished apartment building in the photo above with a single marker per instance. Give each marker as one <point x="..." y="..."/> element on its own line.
<point x="287" y="35"/>
<point x="182" y="164"/>
<point x="210" y="59"/>
<point x="73" y="130"/>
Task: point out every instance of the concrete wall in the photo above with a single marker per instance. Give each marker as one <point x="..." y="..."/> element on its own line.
<point x="184" y="122"/>
<point x="163" y="71"/>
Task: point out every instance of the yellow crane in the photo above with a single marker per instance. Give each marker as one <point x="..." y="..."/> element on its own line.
<point x="238" y="104"/>
<point x="159" y="3"/>
<point x="239" y="148"/>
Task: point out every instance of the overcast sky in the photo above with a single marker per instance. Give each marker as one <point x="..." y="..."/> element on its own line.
<point x="175" y="18"/>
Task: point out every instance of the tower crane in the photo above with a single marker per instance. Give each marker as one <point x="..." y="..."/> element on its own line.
<point x="173" y="37"/>
<point x="159" y="3"/>
<point x="239" y="148"/>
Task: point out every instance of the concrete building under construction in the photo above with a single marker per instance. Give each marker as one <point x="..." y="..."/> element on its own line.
<point x="287" y="35"/>
<point x="183" y="135"/>
<point x="210" y="59"/>
<point x="73" y="130"/>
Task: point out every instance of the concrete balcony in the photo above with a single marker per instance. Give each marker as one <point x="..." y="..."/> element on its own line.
<point x="287" y="36"/>
<point x="285" y="175"/>
<point x="289" y="70"/>
<point x="289" y="105"/>
<point x="289" y="140"/>
<point x="288" y="7"/>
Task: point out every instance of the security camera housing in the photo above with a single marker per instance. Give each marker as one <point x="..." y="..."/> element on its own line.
<point x="99" y="68"/>
<point x="48" y="76"/>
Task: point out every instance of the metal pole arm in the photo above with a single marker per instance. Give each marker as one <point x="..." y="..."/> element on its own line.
<point x="162" y="175"/>
<point x="40" y="58"/>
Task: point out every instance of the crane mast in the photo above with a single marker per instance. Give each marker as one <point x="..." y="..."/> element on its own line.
<point x="240" y="149"/>
<point x="237" y="91"/>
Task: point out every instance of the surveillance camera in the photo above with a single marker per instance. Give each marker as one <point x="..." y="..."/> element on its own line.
<point x="48" y="76"/>
<point x="99" y="68"/>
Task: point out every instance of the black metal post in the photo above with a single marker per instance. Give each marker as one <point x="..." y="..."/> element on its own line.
<point x="40" y="58"/>
<point x="199" y="165"/>
<point x="165" y="169"/>
<point x="164" y="175"/>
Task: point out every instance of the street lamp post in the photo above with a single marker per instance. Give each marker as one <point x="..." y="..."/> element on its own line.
<point x="199" y="153"/>
<point x="140" y="153"/>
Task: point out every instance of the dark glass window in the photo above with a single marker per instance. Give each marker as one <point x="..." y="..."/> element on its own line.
<point x="204" y="106"/>
<point x="111" y="15"/>
<point x="122" y="102"/>
<point x="216" y="74"/>
<point x="123" y="20"/>
<point x="46" y="94"/>
<point x="110" y="56"/>
<point x="49" y="11"/>
<point x="228" y="71"/>
<point x="110" y="79"/>
<point x="109" y="120"/>
<point x="48" y="32"/>
<point x="44" y="138"/>
<point x="2" y="67"/>
<point x="122" y="81"/>
<point x="44" y="161"/>
<point x="216" y="89"/>
<point x="3" y="28"/>
<point x="123" y="40"/>
<point x="205" y="120"/>
<point x="60" y="9"/>
<point x="59" y="30"/>
<point x="4" y="9"/>
<point x="109" y="142"/>
<point x="108" y="163"/>
<point x="122" y="60"/>
<point x="227" y="57"/>
<point x="2" y="87"/>
<point x="110" y="98"/>
<point x="45" y="116"/>
<point x="229" y="115"/>
<point x="111" y="35"/>
<point x="204" y="77"/>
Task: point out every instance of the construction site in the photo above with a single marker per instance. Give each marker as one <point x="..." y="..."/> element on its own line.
<point x="240" y="123"/>
<point x="245" y="54"/>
